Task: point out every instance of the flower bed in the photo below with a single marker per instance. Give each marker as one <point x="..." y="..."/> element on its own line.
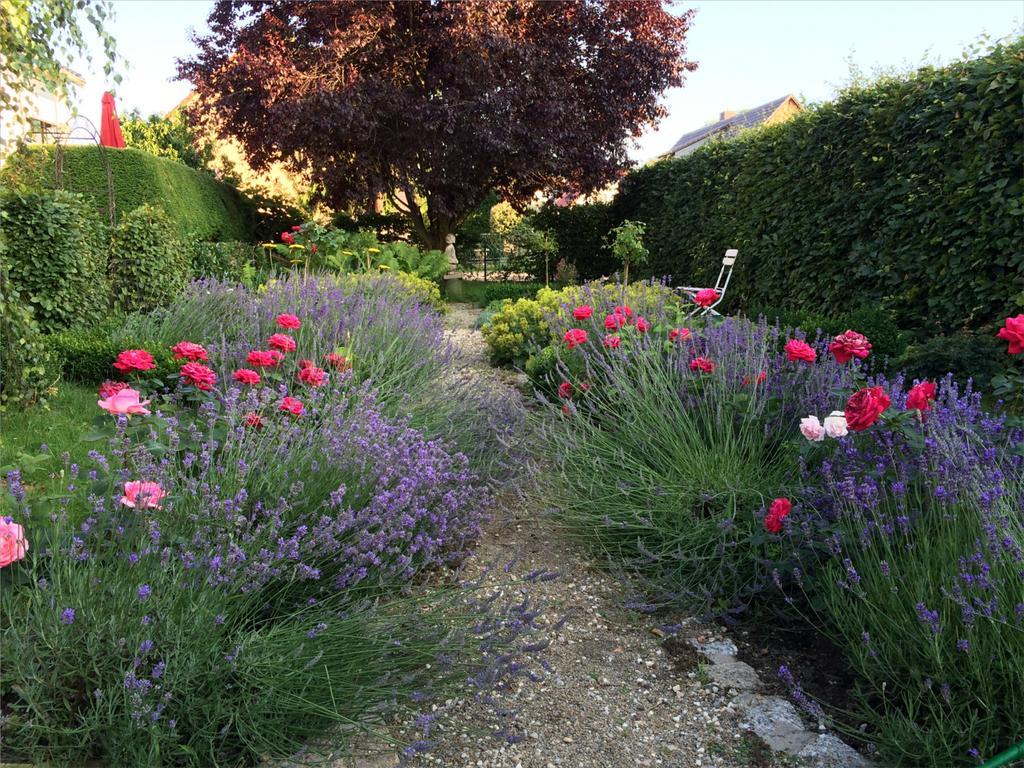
<point x="727" y="465"/>
<point x="233" y="569"/>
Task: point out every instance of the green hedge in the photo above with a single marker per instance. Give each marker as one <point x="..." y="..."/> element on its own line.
<point x="906" y="195"/>
<point x="56" y="256"/>
<point x="199" y="205"/>
<point x="580" y="233"/>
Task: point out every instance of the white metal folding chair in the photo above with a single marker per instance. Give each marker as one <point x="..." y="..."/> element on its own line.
<point x="720" y="286"/>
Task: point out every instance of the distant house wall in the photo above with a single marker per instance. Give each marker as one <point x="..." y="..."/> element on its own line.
<point x="43" y="115"/>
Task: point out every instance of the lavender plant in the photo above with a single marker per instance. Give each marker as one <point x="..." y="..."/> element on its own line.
<point x="921" y="580"/>
<point x="670" y="442"/>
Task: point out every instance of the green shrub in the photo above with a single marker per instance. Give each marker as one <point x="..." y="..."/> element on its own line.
<point x="26" y="366"/>
<point x="87" y="354"/>
<point x="978" y="356"/>
<point x="495" y="291"/>
<point x="147" y="265"/>
<point x="228" y="260"/>
<point x="540" y="368"/>
<point x="55" y="256"/>
<point x="490" y="311"/>
<point x="195" y="201"/>
<point x="515" y="331"/>
<point x="905" y="195"/>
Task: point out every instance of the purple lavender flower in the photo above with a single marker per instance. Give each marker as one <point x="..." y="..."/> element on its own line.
<point x="67" y="616"/>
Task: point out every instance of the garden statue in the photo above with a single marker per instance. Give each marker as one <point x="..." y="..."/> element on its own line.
<point x="449" y="252"/>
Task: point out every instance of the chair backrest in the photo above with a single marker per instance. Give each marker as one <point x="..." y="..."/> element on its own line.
<point x="730" y="257"/>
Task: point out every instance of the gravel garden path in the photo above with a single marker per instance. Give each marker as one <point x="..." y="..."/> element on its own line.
<point x="618" y="691"/>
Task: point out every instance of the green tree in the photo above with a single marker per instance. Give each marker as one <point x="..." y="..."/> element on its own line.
<point x="38" y="41"/>
<point x="628" y="245"/>
<point x="172" y="137"/>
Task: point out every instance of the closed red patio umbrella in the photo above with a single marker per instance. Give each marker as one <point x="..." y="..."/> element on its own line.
<point x="110" y="128"/>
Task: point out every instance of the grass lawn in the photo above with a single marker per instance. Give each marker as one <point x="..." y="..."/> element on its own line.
<point x="59" y="424"/>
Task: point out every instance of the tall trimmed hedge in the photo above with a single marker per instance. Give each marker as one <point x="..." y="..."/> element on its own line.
<point x="199" y="205"/>
<point x="579" y="231"/>
<point x="906" y="195"/>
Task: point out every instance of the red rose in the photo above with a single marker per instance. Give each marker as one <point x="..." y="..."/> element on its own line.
<point x="920" y="396"/>
<point x="312" y="375"/>
<point x="761" y="377"/>
<point x="611" y="342"/>
<point x="134" y="360"/>
<point x="337" y="361"/>
<point x="1013" y="332"/>
<point x="614" y="321"/>
<point x="287" y="238"/>
<point x="281" y="341"/>
<point x="624" y="311"/>
<point x="565" y="390"/>
<point x="800" y="350"/>
<point x="777" y="512"/>
<point x="582" y="312"/>
<point x="246" y="376"/>
<point x="575" y="336"/>
<point x="288" y="322"/>
<point x="186" y="350"/>
<point x="702" y="364"/>
<point x="291" y="405"/>
<point x="642" y="325"/>
<point x="252" y="419"/>
<point x="848" y="345"/>
<point x="296" y="227"/>
<point x="110" y="388"/>
<point x="679" y="334"/>
<point x="705" y="297"/>
<point x="199" y="376"/>
<point x="260" y="358"/>
<point x="864" y="407"/>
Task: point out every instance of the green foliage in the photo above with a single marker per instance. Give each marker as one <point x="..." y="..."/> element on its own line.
<point x="541" y="369"/>
<point x="887" y="341"/>
<point x="477" y="223"/>
<point x="429" y="265"/>
<point x="628" y="245"/>
<point x="26" y="369"/>
<point x="147" y="264"/>
<point x="504" y="218"/>
<point x="978" y="356"/>
<point x="580" y="231"/>
<point x="54" y="255"/>
<point x="170" y="137"/>
<point x="228" y="260"/>
<point x="387" y="226"/>
<point x="494" y="291"/>
<point x="906" y="195"/>
<point x="60" y="423"/>
<point x="87" y="354"/>
<point x="198" y="204"/>
<point x="515" y="331"/>
<point x="274" y="215"/>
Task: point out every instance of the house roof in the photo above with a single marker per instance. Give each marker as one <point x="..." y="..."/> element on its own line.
<point x="730" y="125"/>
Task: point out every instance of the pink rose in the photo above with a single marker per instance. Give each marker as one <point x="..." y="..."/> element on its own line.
<point x="642" y="325"/>
<point x="848" y="345"/>
<point x="800" y="350"/>
<point x="624" y="311"/>
<point x="199" y="376"/>
<point x="186" y="350"/>
<point x="139" y="494"/>
<point x="288" y="322"/>
<point x="108" y="388"/>
<point x="778" y="512"/>
<point x="1013" y="332"/>
<point x="679" y="334"/>
<point x="920" y="396"/>
<point x="340" y="362"/>
<point x="574" y="337"/>
<point x="702" y="364"/>
<point x="835" y="425"/>
<point x="282" y="342"/>
<point x="124" y="402"/>
<point x="614" y="321"/>
<point x="811" y="428"/>
<point x="287" y="238"/>
<point x="583" y="312"/>
<point x="611" y="342"/>
<point x="705" y="297"/>
<point x="260" y="358"/>
<point x="246" y="376"/>
<point x="291" y="405"/>
<point x="252" y="419"/>
<point x="13" y="544"/>
<point x="134" y="360"/>
<point x="310" y="374"/>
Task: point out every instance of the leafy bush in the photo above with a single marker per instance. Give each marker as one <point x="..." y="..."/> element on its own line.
<point x="147" y="265"/>
<point x="515" y="331"/>
<point x="428" y="265"/>
<point x="171" y="137"/>
<point x="26" y="368"/>
<point x="87" y="353"/>
<point x="55" y="256"/>
<point x="228" y="260"/>
<point x="905" y="195"/>
<point x="628" y="245"/>
<point x="976" y="356"/>
<point x="496" y="291"/>
<point x="194" y="201"/>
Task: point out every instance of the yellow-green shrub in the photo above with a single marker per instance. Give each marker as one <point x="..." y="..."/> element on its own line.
<point x="516" y="330"/>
